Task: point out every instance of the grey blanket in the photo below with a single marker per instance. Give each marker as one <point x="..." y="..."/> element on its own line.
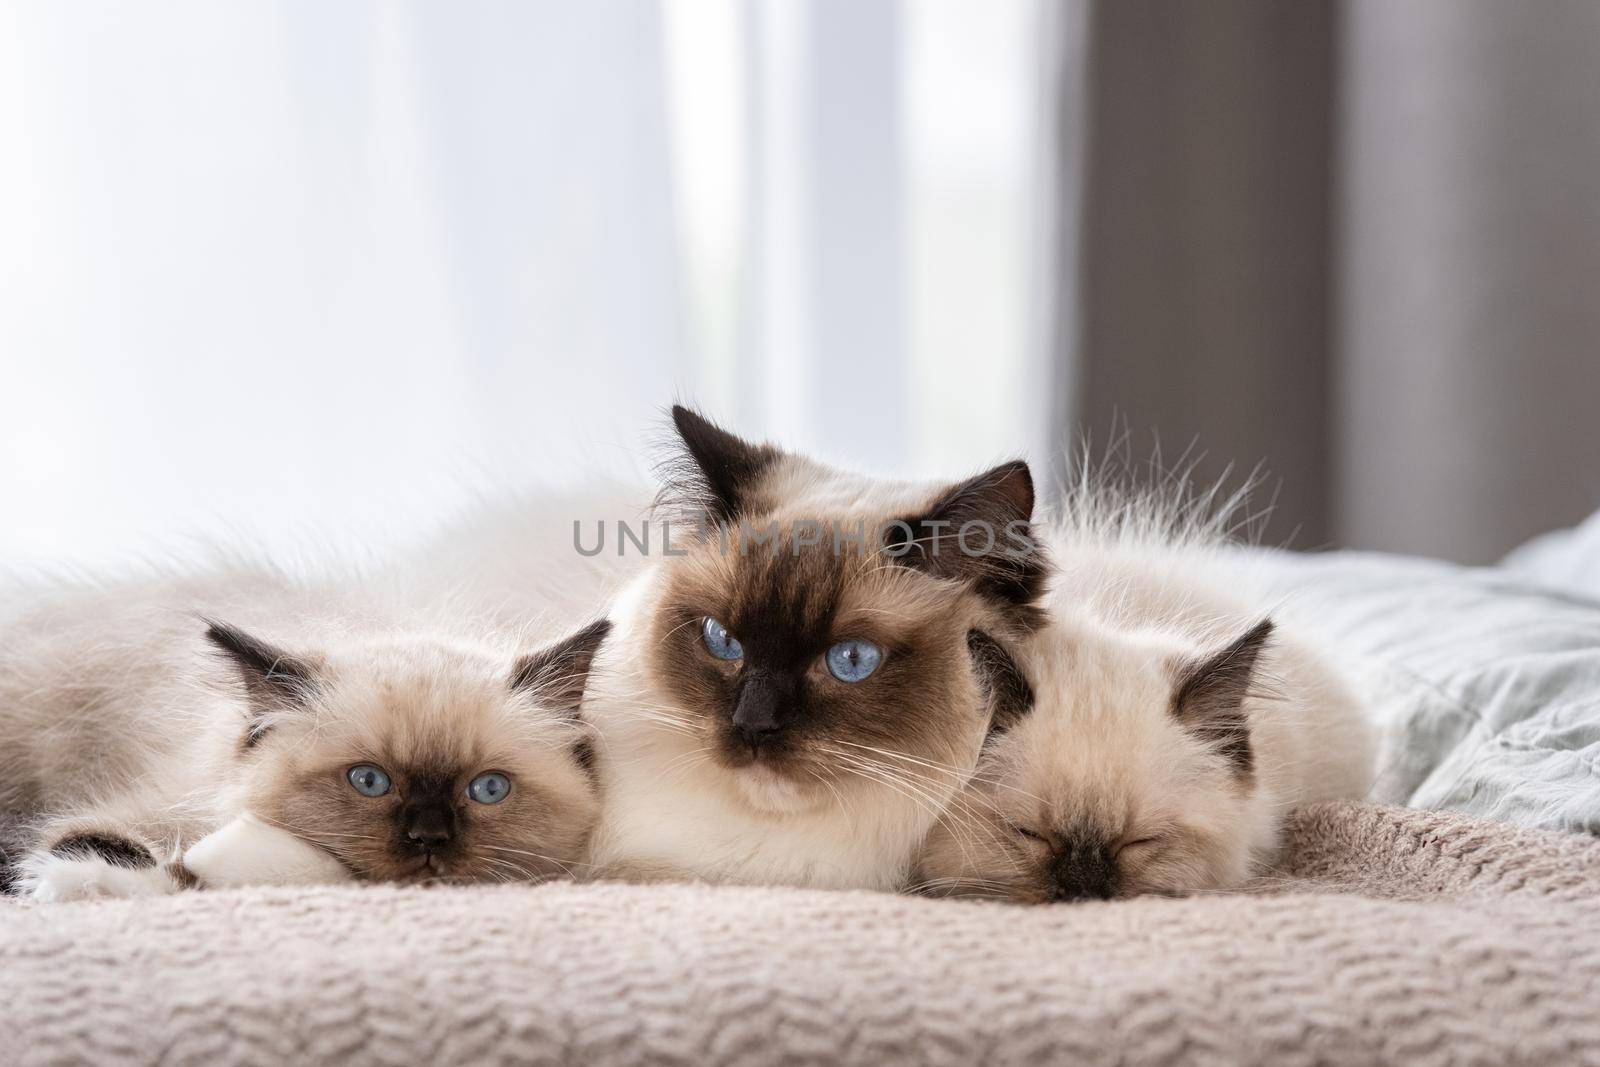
<point x="1387" y="936"/>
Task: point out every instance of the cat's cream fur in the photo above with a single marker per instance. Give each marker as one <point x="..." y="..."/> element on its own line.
<point x="1107" y="787"/>
<point x="249" y="852"/>
<point x="842" y="812"/>
<point x="119" y="718"/>
<point x="672" y="812"/>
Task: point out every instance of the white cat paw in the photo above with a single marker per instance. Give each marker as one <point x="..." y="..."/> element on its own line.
<point x="248" y="852"/>
<point x="57" y="879"/>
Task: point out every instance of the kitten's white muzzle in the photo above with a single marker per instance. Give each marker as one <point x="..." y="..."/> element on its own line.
<point x="771" y="791"/>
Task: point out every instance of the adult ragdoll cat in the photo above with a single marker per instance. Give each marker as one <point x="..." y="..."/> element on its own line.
<point x="417" y="750"/>
<point x="788" y="697"/>
<point x="1169" y="723"/>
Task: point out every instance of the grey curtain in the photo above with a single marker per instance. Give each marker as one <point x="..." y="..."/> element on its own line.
<point x="1355" y="241"/>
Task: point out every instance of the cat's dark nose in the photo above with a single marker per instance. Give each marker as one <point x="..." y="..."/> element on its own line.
<point x="430" y="825"/>
<point x="759" y="711"/>
<point x="1083" y="869"/>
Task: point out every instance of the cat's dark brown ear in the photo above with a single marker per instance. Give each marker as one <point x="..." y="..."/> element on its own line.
<point x="979" y="530"/>
<point x="712" y="471"/>
<point x="1006" y="687"/>
<point x="1209" y="696"/>
<point x="274" y="680"/>
<point x="557" y="674"/>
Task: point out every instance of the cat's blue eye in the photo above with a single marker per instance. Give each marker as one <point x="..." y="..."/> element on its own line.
<point x="851" y="661"/>
<point x="369" y="781"/>
<point x="489" y="788"/>
<point x="719" y="642"/>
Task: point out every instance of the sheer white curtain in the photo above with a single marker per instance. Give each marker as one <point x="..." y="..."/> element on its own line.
<point x="298" y="268"/>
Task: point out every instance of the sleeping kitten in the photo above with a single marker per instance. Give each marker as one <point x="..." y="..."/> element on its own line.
<point x="783" y="704"/>
<point x="128" y="731"/>
<point x="1172" y="725"/>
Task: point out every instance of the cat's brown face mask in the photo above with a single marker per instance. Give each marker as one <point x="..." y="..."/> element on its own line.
<point x="817" y="631"/>
<point x="413" y="761"/>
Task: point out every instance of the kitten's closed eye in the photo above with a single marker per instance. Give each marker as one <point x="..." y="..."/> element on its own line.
<point x="1140" y="847"/>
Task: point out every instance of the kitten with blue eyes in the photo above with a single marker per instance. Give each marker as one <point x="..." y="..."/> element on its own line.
<point x="143" y="750"/>
<point x="783" y="704"/>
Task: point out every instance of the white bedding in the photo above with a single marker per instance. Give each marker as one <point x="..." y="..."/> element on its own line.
<point x="1486" y="680"/>
<point x="1562" y="559"/>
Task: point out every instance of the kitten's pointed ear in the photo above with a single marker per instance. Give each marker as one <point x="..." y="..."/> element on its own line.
<point x="1209" y="697"/>
<point x="715" y="471"/>
<point x="979" y="530"/>
<point x="274" y="680"/>
<point x="558" y="674"/>
<point x="1006" y="686"/>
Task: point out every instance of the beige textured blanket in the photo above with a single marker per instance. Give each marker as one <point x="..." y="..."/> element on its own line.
<point x="1390" y="937"/>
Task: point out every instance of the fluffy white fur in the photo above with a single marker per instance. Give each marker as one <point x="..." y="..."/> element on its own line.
<point x="515" y="561"/>
<point x="248" y="852"/>
<point x="103" y="695"/>
<point x="1146" y="585"/>
<point x="61" y="879"/>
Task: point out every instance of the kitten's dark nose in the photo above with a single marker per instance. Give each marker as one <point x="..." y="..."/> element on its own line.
<point x="1083" y="869"/>
<point x="430" y="825"/>
<point x="758" y="712"/>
